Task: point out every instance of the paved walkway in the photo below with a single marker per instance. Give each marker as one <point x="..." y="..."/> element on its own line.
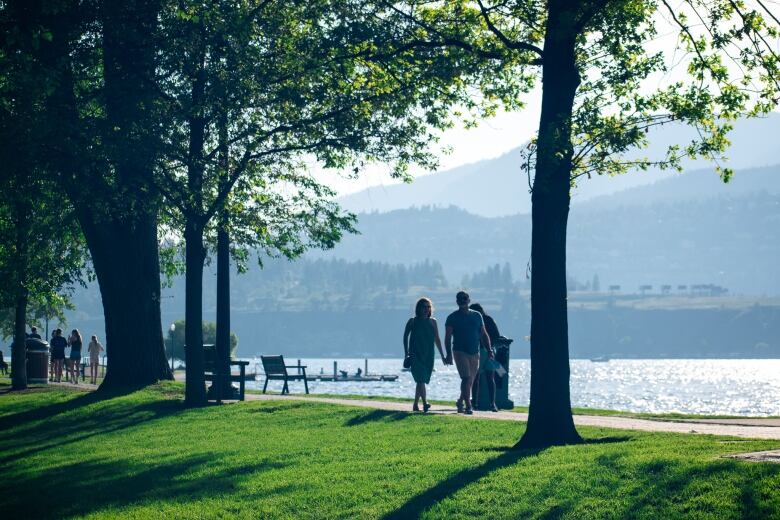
<point x="79" y="386"/>
<point x="747" y="428"/>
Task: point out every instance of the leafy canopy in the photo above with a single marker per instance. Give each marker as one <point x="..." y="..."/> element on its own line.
<point x="642" y="64"/>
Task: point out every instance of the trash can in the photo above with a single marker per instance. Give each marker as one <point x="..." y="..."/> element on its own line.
<point x="501" y="347"/>
<point x="37" y="361"/>
<point x="502" y="382"/>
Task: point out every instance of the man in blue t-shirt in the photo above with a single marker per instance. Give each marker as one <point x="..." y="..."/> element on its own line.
<point x="466" y="327"/>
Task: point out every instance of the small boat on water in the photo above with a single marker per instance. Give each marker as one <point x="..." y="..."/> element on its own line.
<point x="599" y="359"/>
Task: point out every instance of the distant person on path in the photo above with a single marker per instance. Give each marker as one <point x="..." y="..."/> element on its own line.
<point x="94" y="349"/>
<point x="465" y="328"/>
<point x="492" y="331"/>
<point x="3" y="365"/>
<point x="420" y="334"/>
<point x="51" y="357"/>
<point x="75" y="343"/>
<point x="58" y="344"/>
<point x="34" y="333"/>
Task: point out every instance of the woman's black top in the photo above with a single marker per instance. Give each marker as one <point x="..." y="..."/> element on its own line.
<point x="491" y="328"/>
<point x="58" y="344"/>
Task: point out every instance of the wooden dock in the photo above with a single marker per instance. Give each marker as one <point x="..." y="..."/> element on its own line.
<point x="352" y="378"/>
<point x="341" y="376"/>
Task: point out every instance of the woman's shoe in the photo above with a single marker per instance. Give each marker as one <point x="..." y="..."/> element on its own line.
<point x="426" y="407"/>
<point x="459" y="405"/>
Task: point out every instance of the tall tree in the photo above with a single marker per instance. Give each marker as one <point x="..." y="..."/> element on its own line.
<point x="41" y="247"/>
<point x="215" y="93"/>
<point x="605" y="84"/>
<point x="283" y="83"/>
<point x="100" y="60"/>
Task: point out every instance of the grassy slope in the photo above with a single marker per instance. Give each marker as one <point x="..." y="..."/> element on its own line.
<point x="69" y="454"/>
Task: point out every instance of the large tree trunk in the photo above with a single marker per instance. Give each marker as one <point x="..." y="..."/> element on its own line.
<point x="122" y="232"/>
<point x="18" y="351"/>
<point x="127" y="266"/>
<point x="195" y="387"/>
<point x="550" y="420"/>
<point x="223" y="270"/>
<point x="115" y="209"/>
<point x="223" y="309"/>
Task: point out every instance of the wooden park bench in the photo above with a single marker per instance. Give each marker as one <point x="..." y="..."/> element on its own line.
<point x="211" y="372"/>
<point x="275" y="369"/>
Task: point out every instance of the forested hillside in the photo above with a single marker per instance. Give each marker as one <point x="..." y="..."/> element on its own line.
<point x="732" y="241"/>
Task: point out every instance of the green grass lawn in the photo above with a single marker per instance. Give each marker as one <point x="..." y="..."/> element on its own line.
<point x="65" y="453"/>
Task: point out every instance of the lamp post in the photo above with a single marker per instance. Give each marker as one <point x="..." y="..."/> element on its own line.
<point x="172" y="329"/>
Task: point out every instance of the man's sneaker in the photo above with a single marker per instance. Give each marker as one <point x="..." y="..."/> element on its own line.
<point x="459" y="405"/>
<point x="469" y="411"/>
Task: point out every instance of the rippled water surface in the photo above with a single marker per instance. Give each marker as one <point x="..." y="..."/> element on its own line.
<point x="704" y="386"/>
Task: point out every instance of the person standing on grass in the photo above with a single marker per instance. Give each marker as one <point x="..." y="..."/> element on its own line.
<point x="94" y="349"/>
<point x="465" y="328"/>
<point x="420" y="334"/>
<point x="75" y="343"/>
<point x="58" y="344"/>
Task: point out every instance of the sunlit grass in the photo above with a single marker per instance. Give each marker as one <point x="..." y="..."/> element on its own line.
<point x="65" y="453"/>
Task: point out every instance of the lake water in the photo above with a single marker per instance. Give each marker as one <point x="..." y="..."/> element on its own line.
<point x="749" y="387"/>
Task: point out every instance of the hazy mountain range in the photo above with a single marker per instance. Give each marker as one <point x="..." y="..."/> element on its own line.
<point x="497" y="187"/>
<point x="687" y="229"/>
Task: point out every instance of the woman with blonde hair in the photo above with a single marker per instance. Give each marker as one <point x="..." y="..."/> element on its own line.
<point x="420" y="334"/>
<point x="94" y="349"/>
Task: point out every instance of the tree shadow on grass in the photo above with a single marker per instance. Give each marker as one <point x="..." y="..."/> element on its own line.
<point x="417" y="505"/>
<point x="605" y="440"/>
<point x="273" y="408"/>
<point x="48" y="411"/>
<point x="662" y="482"/>
<point x="73" y="429"/>
<point x="102" y="485"/>
<point x="376" y="416"/>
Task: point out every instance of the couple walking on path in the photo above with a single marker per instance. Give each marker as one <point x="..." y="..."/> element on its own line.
<point x="464" y="332"/>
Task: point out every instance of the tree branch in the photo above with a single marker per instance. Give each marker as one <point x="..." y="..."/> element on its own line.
<point x="517" y="46"/>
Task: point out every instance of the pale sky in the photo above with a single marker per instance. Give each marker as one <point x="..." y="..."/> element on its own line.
<point x="493" y="137"/>
<point x="498" y="135"/>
